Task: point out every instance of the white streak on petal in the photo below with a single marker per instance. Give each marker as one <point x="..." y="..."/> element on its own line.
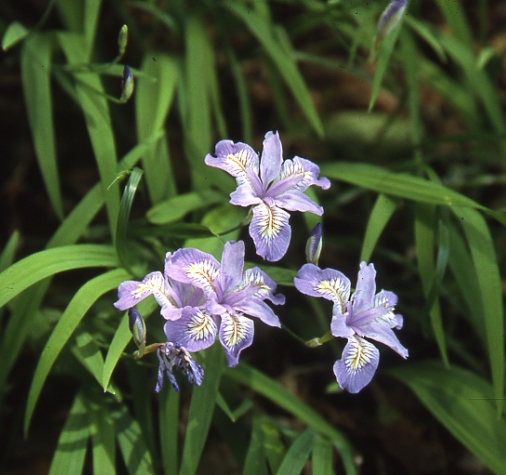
<point x="201" y="326"/>
<point x="360" y="354"/>
<point x="336" y="290"/>
<point x="203" y="272"/>
<point x="154" y="284"/>
<point x="271" y="221"/>
<point x="234" y="331"/>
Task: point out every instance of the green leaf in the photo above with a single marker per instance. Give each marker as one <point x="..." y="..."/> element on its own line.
<point x="456" y="19"/>
<point x="197" y="114"/>
<point x="425" y="229"/>
<point x="489" y="288"/>
<point x="121" y="339"/>
<point x="255" y="463"/>
<point x="7" y="256"/>
<point x="177" y="207"/>
<point x="201" y="410"/>
<point x="386" y="49"/>
<point x="463" y="403"/>
<point x="153" y="100"/>
<point x="283" y="398"/>
<point x="35" y="267"/>
<point x="71" y="449"/>
<point x="84" y="298"/>
<point x="396" y="184"/>
<point x="169" y="420"/>
<point x="124" y="213"/>
<point x="88" y="354"/>
<point x="273" y="445"/>
<point x="322" y="457"/>
<point x="91" y="97"/>
<point x="380" y="215"/>
<point x="297" y="454"/>
<point x="14" y="33"/>
<point x="131" y="442"/>
<point x="282" y="57"/>
<point x="35" y="75"/>
<point x="28" y="302"/>
<point x="426" y="32"/>
<point x="102" y="440"/>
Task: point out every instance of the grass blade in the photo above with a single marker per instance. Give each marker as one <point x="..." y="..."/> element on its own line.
<point x="176" y="208"/>
<point x="463" y="402"/>
<point x="73" y="314"/>
<point x="396" y="184"/>
<point x="489" y="288"/>
<point x="284" y="60"/>
<point x="380" y="215"/>
<point x="169" y="418"/>
<point x="322" y="457"/>
<point x="255" y="463"/>
<point x="153" y="100"/>
<point x="35" y="267"/>
<point x="35" y="75"/>
<point x="283" y="398"/>
<point x="71" y="450"/>
<point x="201" y="410"/>
<point x="297" y="454"/>
<point x="131" y="443"/>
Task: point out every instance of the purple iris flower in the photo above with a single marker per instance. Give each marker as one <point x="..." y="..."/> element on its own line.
<point x="173" y="355"/>
<point x="175" y="298"/>
<point x="366" y="315"/>
<point x="272" y="186"/>
<point x="230" y="295"/>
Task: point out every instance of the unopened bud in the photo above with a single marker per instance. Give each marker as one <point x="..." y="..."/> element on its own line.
<point x="388" y="20"/>
<point x="314" y="245"/>
<point x="127" y="84"/>
<point x="138" y="330"/>
<point x="122" y="39"/>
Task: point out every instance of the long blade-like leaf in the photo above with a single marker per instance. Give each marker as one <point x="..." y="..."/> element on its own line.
<point x="35" y="267"/>
<point x="464" y="403"/>
<point x="35" y="75"/>
<point x="71" y="450"/>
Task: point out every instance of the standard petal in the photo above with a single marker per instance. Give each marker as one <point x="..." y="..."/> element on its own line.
<point x="195" y="267"/>
<point x="363" y="298"/>
<point x="272" y="158"/>
<point x="388" y="300"/>
<point x="232" y="264"/>
<point x="236" y="333"/>
<point x="329" y="284"/>
<point x="379" y="331"/>
<point x="255" y="284"/>
<point x="298" y="174"/>
<point x="195" y="331"/>
<point x="357" y="366"/>
<point x="270" y="231"/>
<point x="130" y="292"/>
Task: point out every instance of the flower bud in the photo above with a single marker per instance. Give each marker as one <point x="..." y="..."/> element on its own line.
<point x="127" y="84"/>
<point x="314" y="245"/>
<point x="122" y="39"/>
<point x="388" y="20"/>
<point x="138" y="330"/>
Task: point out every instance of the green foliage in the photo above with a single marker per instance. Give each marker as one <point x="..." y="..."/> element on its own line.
<point x="409" y="194"/>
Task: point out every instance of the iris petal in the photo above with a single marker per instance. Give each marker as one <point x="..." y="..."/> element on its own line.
<point x="357" y="366"/>
<point x="270" y="231"/>
<point x="236" y="333"/>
